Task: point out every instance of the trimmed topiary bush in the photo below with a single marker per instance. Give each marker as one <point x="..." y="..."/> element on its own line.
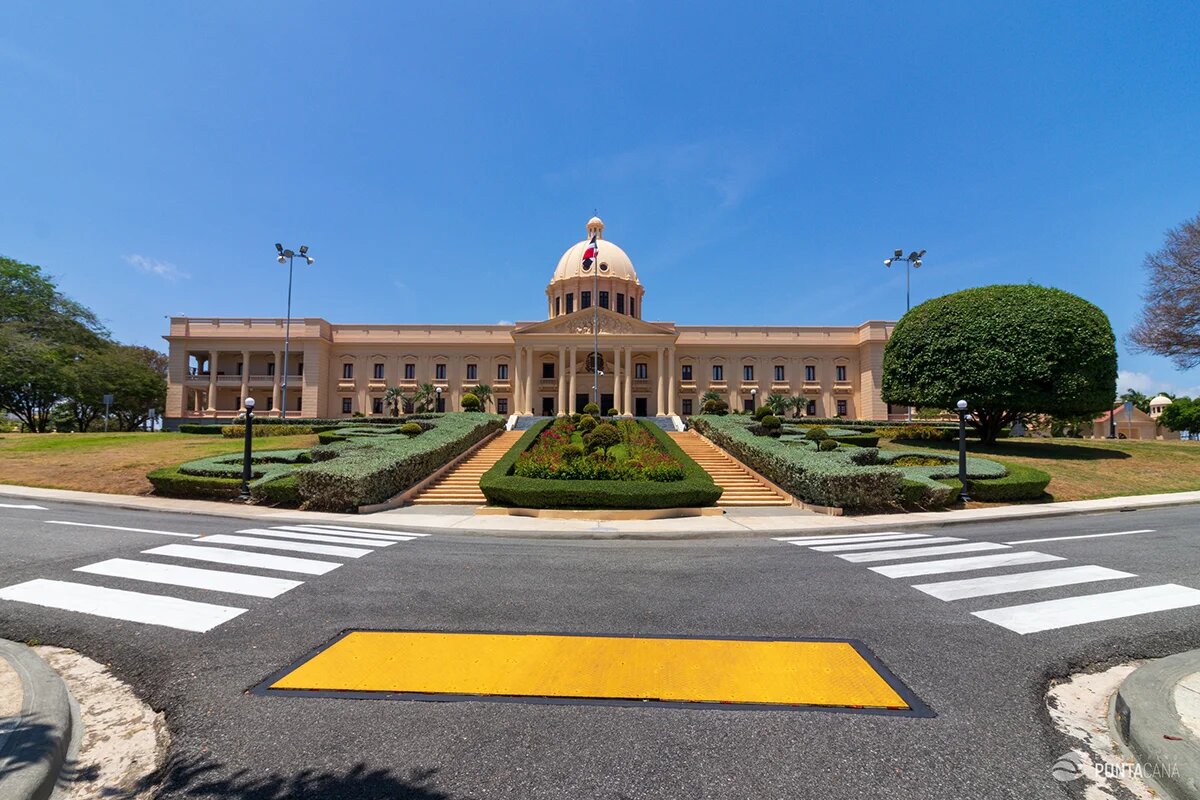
<point x="602" y="437"/>
<point x="762" y="411"/>
<point x="825" y="445"/>
<point x="586" y="423"/>
<point x="612" y="412"/>
<point x="470" y="402"/>
<point x="170" y="482"/>
<point x="410" y="429"/>
<point x="1021" y="483"/>
<point x="592" y="409"/>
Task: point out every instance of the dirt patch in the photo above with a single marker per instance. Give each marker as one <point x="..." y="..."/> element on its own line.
<point x="114" y="463"/>
<point x="11" y="693"/>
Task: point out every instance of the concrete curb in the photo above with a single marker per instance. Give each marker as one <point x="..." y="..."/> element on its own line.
<point x="43" y="733"/>
<point x="1149" y="724"/>
<point x="730" y="526"/>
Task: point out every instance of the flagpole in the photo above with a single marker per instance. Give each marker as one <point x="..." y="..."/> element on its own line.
<point x="596" y="325"/>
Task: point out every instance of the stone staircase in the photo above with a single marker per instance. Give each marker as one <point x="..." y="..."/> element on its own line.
<point x="460" y="485"/>
<point x="742" y="487"/>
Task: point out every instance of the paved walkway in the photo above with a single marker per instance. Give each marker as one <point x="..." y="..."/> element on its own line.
<point x="735" y="523"/>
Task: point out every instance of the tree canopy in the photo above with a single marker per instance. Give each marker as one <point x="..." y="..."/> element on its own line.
<point x="1006" y="350"/>
<point x="1170" y="321"/>
<point x="1182" y="415"/>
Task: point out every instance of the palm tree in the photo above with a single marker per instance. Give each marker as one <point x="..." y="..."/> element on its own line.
<point x="799" y="403"/>
<point x="393" y="397"/>
<point x="778" y="403"/>
<point x="484" y="393"/>
<point x="425" y="397"/>
<point x="709" y="395"/>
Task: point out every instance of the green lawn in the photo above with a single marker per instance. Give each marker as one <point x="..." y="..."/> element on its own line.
<point x="1086" y="469"/>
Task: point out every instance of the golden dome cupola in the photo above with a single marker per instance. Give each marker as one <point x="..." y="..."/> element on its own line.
<point x="610" y="275"/>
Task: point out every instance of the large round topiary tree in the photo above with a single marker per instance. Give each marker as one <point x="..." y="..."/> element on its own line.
<point x="1007" y="351"/>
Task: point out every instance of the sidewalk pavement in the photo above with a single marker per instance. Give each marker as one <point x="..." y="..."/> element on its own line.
<point x="1157" y="714"/>
<point x="735" y="523"/>
<point x="39" y="724"/>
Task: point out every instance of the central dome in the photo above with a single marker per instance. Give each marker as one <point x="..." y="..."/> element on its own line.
<point x="612" y="261"/>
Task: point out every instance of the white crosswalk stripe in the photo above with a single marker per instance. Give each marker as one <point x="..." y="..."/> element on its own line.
<point x="99" y="601"/>
<point x="316" y="537"/>
<point x="922" y="552"/>
<point x="362" y="530"/>
<point x="1019" y="582"/>
<point x="214" y="580"/>
<point x="967" y="564"/>
<point x="295" y="547"/>
<point x="242" y="558"/>
<point x="27" y="506"/>
<point x="859" y="537"/>
<point x="841" y="548"/>
<point x="120" y="528"/>
<point x="384" y="537"/>
<point x="1052" y="614"/>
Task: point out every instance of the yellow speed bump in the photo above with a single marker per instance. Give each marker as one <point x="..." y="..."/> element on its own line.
<point x="531" y="666"/>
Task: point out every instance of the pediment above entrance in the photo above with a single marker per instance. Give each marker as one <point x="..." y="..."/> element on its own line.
<point x="611" y="323"/>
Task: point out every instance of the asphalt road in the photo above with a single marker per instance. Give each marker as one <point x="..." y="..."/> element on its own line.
<point x="990" y="737"/>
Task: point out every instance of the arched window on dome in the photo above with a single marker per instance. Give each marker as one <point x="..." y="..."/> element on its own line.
<point x="570" y="302"/>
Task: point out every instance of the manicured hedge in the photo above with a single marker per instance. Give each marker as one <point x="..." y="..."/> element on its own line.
<point x="271" y="429"/>
<point x="502" y="488"/>
<point x="278" y="492"/>
<point x="170" y="482"/>
<point x="1021" y="483"/>
<point x="363" y="469"/>
<point x="203" y="430"/>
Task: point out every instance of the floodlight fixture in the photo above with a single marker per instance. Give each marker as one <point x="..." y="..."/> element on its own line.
<point x="898" y="253"/>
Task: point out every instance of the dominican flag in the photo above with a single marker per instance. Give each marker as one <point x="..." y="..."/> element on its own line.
<point x="589" y="255"/>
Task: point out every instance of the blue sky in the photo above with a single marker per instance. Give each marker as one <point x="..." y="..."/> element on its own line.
<point x="757" y="161"/>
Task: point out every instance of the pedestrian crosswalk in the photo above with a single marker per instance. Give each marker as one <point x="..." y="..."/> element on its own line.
<point x="159" y="567"/>
<point x="997" y="577"/>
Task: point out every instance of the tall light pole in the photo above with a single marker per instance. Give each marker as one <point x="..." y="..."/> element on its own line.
<point x="911" y="261"/>
<point x="961" y="407"/>
<point x="288" y="255"/>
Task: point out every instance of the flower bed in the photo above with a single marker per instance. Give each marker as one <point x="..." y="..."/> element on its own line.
<point x="550" y="467"/>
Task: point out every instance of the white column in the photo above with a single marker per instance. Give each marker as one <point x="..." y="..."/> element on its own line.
<point x="672" y="378"/>
<point x="571" y="390"/>
<point x="658" y="401"/>
<point x="530" y="405"/>
<point x="562" y="381"/>
<point x="517" y="379"/>
<point x="245" y="377"/>
<point x="629" y="379"/>
<point x="616" y="382"/>
<point x="212" y="380"/>
<point x="275" y="385"/>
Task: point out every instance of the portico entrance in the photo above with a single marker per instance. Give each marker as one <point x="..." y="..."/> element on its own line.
<point x="639" y="407"/>
<point x="547" y="406"/>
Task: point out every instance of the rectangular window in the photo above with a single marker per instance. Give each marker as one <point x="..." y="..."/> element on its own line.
<point x="687" y="406"/>
<point x="379" y="372"/>
<point x="376" y="405"/>
<point x="299" y="403"/>
<point x="811" y="408"/>
<point x="779" y="373"/>
<point x="548" y="369"/>
<point x="632" y="313"/>
<point x="300" y="369"/>
<point x="557" y="306"/>
<point x="270" y="403"/>
<point x="271" y="368"/>
<point x="410" y="372"/>
<point x="718" y="372"/>
<point x="640" y="371"/>
<point x="347" y="405"/>
<point x="747" y="404"/>
<point x="841" y="372"/>
<point x="686" y="372"/>
<point x="620" y="303"/>
<point x="472" y="372"/>
<point x="585" y="300"/>
<point x="239" y="368"/>
<point x="347" y="371"/>
<point x="603" y="299"/>
<point x="441" y="404"/>
<point x="502" y="372"/>
<point x="502" y="406"/>
<point x="810" y="373"/>
<point x="571" y="303"/>
<point x="439" y="372"/>
<point x="748" y="373"/>
<point x="841" y="407"/>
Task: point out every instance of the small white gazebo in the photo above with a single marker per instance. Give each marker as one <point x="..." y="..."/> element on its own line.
<point x="1158" y="404"/>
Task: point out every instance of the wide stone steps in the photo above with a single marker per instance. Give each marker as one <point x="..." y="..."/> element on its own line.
<point x="460" y="486"/>
<point x="742" y="487"/>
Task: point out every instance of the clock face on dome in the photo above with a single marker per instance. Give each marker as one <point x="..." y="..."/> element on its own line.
<point x="594" y="361"/>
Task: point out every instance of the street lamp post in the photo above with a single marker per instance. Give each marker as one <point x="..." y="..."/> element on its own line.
<point x="247" y="448"/>
<point x="437" y="399"/>
<point x="753" y="400"/>
<point x="911" y="261"/>
<point x="962" y="449"/>
<point x="288" y="255"/>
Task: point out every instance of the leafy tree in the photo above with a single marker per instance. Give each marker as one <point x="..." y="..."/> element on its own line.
<point x="392" y="398"/>
<point x="34" y="377"/>
<point x="1140" y="401"/>
<point x="425" y="397"/>
<point x="31" y="304"/>
<point x="484" y="393"/>
<point x="1182" y="415"/>
<point x="709" y="395"/>
<point x="1170" y="321"/>
<point x="132" y="375"/>
<point x="603" y="436"/>
<point x="1007" y="351"/>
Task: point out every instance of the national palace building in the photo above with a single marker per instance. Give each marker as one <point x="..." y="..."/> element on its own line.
<point x="541" y="368"/>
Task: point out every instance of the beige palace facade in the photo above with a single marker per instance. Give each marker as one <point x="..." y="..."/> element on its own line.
<point x="541" y="368"/>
